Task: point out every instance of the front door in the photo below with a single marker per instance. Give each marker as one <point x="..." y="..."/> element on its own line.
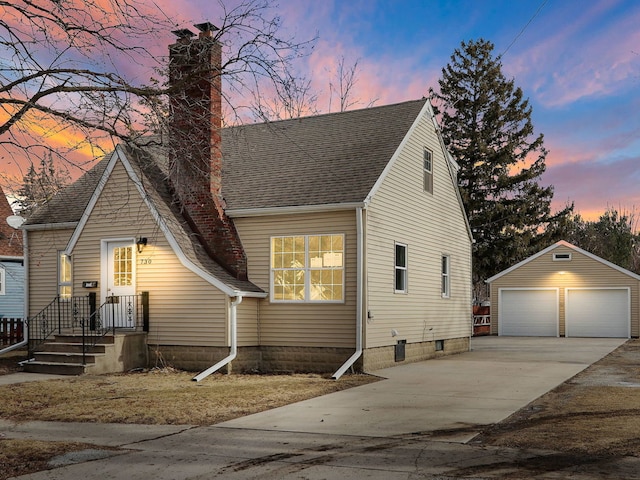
<point x="119" y="302"/>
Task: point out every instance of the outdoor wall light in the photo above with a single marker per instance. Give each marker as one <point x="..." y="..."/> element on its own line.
<point x="141" y="243"/>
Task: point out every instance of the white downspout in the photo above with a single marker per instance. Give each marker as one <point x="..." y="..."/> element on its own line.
<point x="25" y="330"/>
<point x="360" y="281"/>
<point x="233" y="324"/>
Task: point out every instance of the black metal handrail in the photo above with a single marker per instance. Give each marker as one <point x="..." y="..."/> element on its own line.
<point x="81" y="315"/>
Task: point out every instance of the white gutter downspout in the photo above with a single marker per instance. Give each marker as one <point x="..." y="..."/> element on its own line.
<point x="25" y="331"/>
<point x="233" y="324"/>
<point x="360" y="277"/>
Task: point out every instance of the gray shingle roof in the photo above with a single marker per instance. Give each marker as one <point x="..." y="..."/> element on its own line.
<point x="325" y="159"/>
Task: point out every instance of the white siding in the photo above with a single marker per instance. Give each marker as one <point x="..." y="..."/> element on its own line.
<point x="431" y="225"/>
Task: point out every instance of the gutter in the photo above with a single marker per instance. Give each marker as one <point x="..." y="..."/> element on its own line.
<point x="233" y="321"/>
<point x="50" y="226"/>
<point x="359" y="288"/>
<point x="25" y="330"/>
<point x="292" y="210"/>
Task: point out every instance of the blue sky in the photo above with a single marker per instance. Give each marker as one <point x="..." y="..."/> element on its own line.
<point x="578" y="62"/>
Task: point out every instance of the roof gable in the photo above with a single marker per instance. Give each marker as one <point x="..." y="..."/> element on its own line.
<point x="150" y="183"/>
<point x="568" y="245"/>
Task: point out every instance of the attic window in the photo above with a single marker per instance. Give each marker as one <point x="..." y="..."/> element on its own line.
<point x="427" y="166"/>
<point x="562" y="257"/>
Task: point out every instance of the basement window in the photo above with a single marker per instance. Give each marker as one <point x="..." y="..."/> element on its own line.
<point x="561" y="257"/>
<point x="439" y="345"/>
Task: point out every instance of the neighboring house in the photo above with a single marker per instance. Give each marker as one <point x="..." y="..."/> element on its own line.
<point x="11" y="265"/>
<point x="311" y="244"/>
<point x="565" y="291"/>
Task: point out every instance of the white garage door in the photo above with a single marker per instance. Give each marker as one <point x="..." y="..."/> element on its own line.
<point x="531" y="313"/>
<point x="597" y="312"/>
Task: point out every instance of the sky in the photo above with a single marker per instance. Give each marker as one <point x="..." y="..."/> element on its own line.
<point x="577" y="61"/>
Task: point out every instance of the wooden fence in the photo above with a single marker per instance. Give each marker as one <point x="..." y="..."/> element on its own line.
<point x="11" y="331"/>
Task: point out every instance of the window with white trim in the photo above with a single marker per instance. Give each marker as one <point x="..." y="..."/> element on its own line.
<point x="307" y="268"/>
<point x="401" y="268"/>
<point x="446" y="278"/>
<point x="562" y="257"/>
<point x="64" y="276"/>
<point x="2" y="281"/>
<point x="427" y="166"/>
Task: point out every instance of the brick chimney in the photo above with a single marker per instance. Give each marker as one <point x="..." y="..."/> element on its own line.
<point x="195" y="158"/>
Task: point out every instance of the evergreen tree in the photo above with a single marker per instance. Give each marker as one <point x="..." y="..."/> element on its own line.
<point x="39" y="186"/>
<point x="486" y="124"/>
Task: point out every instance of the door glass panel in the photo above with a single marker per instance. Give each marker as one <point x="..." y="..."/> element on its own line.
<point x="122" y="266"/>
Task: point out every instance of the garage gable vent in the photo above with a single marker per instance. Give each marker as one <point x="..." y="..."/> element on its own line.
<point x="560" y="257"/>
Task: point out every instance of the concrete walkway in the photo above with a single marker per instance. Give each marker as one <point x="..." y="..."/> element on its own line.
<point x="414" y="424"/>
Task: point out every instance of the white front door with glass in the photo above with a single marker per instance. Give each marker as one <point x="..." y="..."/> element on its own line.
<point x="119" y="301"/>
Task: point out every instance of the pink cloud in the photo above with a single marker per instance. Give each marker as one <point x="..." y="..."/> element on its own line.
<point x="586" y="60"/>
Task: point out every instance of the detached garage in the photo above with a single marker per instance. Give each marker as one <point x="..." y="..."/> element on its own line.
<point x="565" y="291"/>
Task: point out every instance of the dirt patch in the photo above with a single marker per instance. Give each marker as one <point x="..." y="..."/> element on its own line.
<point x="20" y="457"/>
<point x="597" y="412"/>
<point x="9" y="362"/>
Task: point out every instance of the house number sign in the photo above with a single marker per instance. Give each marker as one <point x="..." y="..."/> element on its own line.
<point x="145" y="261"/>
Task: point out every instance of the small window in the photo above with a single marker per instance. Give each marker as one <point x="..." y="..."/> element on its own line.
<point x="2" y="281"/>
<point x="561" y="257"/>
<point x="427" y="165"/>
<point x="401" y="268"/>
<point x="446" y="286"/>
<point x="439" y="345"/>
<point x="64" y="276"/>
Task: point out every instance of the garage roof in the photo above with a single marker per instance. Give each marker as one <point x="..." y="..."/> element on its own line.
<point x="564" y="244"/>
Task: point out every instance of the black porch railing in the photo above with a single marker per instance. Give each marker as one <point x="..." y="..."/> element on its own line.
<point x="82" y="316"/>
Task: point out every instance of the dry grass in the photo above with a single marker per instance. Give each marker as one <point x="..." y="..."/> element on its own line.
<point x="159" y="397"/>
<point x="153" y="397"/>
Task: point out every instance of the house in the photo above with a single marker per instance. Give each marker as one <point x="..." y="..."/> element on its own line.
<point x="11" y="274"/>
<point x="565" y="291"/>
<point x="312" y="244"/>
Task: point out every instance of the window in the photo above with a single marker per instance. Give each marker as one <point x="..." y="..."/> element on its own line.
<point x="446" y="279"/>
<point x="560" y="257"/>
<point x="427" y="165"/>
<point x="401" y="268"/>
<point x="307" y="268"/>
<point x="2" y="281"/>
<point x="64" y="276"/>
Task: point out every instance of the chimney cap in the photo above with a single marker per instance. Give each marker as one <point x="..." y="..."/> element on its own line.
<point x="183" y="33"/>
<point x="206" y="27"/>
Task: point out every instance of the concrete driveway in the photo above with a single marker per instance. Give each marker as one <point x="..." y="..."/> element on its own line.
<point x="367" y="431"/>
<point x="448" y="398"/>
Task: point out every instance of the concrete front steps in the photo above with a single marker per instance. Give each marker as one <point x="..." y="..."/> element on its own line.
<point x="62" y="355"/>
